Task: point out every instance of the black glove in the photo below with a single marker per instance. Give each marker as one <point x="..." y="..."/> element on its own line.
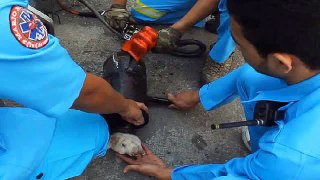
<point x="118" y="16"/>
<point x="167" y="39"/>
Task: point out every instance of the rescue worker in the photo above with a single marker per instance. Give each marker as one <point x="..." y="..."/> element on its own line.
<point x="280" y="40"/>
<point x="182" y="15"/>
<point x="46" y="139"/>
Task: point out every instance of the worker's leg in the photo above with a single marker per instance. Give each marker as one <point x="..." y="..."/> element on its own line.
<point x="25" y="137"/>
<point x="249" y="83"/>
<point x="225" y="45"/>
<point x="162" y="11"/>
<point x="78" y="138"/>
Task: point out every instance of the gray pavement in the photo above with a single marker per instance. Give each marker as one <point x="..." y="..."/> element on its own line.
<point x="171" y="134"/>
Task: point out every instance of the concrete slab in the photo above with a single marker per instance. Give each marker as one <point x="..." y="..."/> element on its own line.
<point x="171" y="134"/>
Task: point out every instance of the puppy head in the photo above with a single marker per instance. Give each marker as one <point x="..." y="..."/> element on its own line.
<point x="125" y="144"/>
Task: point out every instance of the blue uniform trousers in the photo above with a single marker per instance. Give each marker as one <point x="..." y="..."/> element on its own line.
<point x="33" y="145"/>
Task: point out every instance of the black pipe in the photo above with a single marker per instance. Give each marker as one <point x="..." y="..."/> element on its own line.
<point x="179" y="51"/>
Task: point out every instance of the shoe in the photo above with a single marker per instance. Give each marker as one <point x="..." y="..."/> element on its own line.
<point x="213" y="23"/>
<point x="212" y="70"/>
<point x="246" y="137"/>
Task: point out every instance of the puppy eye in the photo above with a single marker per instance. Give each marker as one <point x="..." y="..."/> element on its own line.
<point x="123" y="145"/>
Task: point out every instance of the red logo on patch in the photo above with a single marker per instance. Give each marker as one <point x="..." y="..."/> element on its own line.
<point x="27" y="28"/>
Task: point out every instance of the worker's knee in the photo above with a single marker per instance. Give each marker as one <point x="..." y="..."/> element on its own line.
<point x="88" y="131"/>
<point x="102" y="137"/>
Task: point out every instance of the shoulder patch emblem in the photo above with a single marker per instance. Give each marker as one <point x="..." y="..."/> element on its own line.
<point x="27" y="28"/>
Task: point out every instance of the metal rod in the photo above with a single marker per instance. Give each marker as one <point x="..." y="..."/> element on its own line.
<point x="89" y="6"/>
<point x="236" y="124"/>
<point x="159" y="100"/>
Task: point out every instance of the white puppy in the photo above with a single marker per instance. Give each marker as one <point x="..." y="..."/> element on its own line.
<point x="123" y="143"/>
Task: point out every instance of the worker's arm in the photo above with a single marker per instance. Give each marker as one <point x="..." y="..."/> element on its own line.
<point x="270" y="162"/>
<point x="221" y="91"/>
<point x="98" y="96"/>
<point x="121" y="2"/>
<point x="212" y="95"/>
<point x="47" y="80"/>
<point x="168" y="37"/>
<point x="199" y="11"/>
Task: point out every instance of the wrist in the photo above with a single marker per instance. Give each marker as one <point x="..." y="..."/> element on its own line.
<point x="118" y="6"/>
<point x="125" y="106"/>
<point x="119" y="2"/>
<point x="196" y="96"/>
<point x="164" y="174"/>
<point x="181" y="27"/>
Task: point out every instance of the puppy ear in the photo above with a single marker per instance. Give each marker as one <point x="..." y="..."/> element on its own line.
<point x="113" y="141"/>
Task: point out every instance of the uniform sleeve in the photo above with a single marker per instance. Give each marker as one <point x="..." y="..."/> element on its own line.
<point x="270" y="162"/>
<point x="221" y="91"/>
<point x="38" y="74"/>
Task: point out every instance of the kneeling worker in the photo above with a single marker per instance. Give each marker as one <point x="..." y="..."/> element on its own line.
<point x="280" y="40"/>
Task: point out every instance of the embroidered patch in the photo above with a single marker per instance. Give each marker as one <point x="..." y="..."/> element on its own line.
<point x="27" y="28"/>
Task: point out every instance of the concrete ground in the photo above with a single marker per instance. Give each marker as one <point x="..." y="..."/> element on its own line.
<point x="177" y="137"/>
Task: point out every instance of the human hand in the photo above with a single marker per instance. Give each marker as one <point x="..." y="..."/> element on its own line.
<point x="118" y="16"/>
<point x="184" y="100"/>
<point x="167" y="39"/>
<point x="133" y="113"/>
<point x="148" y="165"/>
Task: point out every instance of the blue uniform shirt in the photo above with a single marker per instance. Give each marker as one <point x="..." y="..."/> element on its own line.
<point x="225" y="45"/>
<point x="38" y="73"/>
<point x="44" y="79"/>
<point x="288" y="150"/>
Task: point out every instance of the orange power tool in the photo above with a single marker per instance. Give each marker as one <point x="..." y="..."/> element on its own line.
<point x="141" y="43"/>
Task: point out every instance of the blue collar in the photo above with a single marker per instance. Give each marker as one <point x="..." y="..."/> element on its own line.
<point x="291" y="93"/>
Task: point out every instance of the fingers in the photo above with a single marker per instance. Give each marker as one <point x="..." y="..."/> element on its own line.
<point x="138" y="156"/>
<point x="145" y="169"/>
<point x="146" y="149"/>
<point x="142" y="106"/>
<point x="171" y="97"/>
<point x="137" y="120"/>
<point x="141" y="151"/>
<point x="173" y="106"/>
<point x="140" y="120"/>
<point x="132" y="168"/>
<point x="126" y="159"/>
